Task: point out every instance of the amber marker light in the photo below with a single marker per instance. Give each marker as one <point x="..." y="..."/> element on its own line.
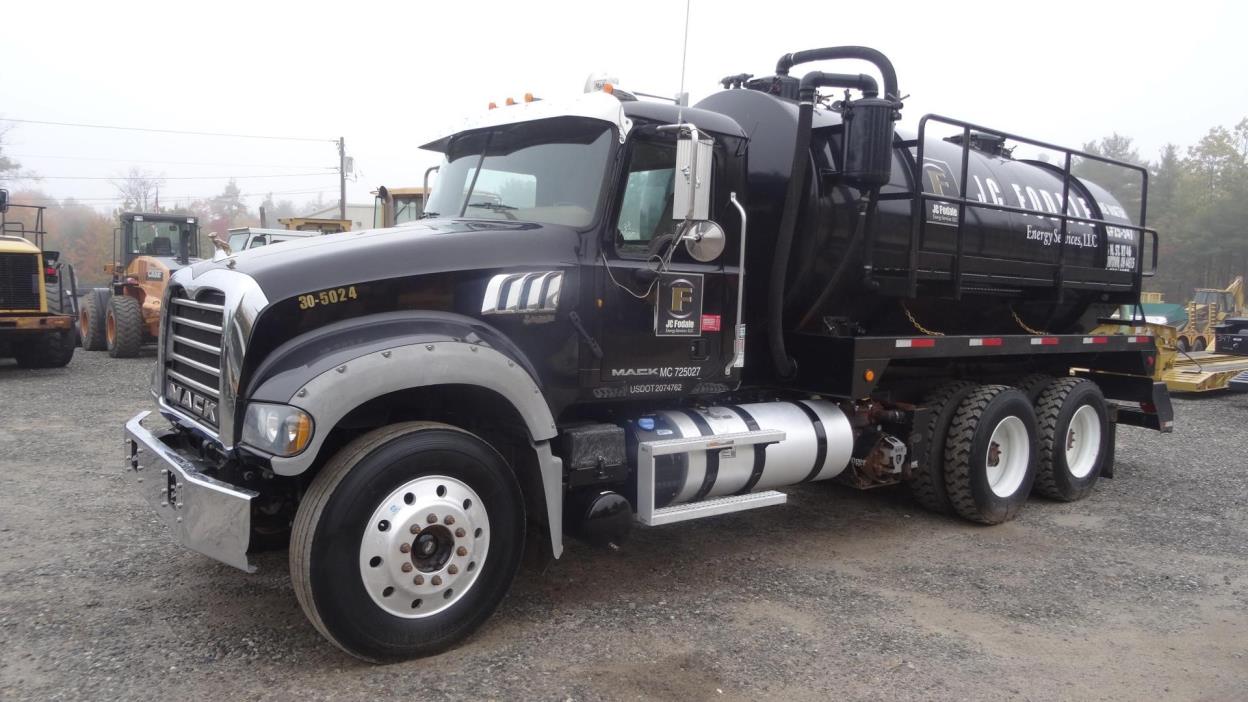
<point x="868" y="375"/>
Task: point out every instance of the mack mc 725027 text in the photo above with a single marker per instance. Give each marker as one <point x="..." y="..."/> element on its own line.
<point x="616" y="311"/>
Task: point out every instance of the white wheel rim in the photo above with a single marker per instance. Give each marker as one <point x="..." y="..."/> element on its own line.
<point x="1007" y="457"/>
<point x="424" y="546"/>
<point x="1083" y="441"/>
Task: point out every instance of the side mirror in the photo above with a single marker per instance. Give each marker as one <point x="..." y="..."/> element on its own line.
<point x="704" y="241"/>
<point x="4" y="200"/>
<point x="692" y="191"/>
<point x="261" y="240"/>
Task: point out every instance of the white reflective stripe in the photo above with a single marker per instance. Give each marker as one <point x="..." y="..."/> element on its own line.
<point x="976" y="342"/>
<point x="904" y="343"/>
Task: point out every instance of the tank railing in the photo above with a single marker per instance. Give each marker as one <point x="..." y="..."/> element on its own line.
<point x="921" y="198"/>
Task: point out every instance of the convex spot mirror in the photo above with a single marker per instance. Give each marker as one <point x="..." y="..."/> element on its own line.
<point x="704" y="241"/>
<point x="692" y="191"/>
<point x="4" y="200"/>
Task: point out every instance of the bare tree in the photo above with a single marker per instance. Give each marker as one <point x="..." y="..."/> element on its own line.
<point x="138" y="189"/>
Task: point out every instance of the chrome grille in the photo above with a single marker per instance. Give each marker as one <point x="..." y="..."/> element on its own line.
<point x="193" y="348"/>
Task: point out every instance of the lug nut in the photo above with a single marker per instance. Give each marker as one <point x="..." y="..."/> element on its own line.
<point x="449" y="520"/>
<point x="461" y="551"/>
<point x="407" y="567"/>
<point x="459" y="533"/>
<point x="432" y="519"/>
<point x="415" y="529"/>
<point x="405" y="547"/>
<point x="453" y="569"/>
<point x="418" y="580"/>
<point x="437" y="580"/>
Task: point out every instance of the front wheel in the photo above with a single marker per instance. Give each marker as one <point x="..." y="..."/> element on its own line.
<point x="407" y="541"/>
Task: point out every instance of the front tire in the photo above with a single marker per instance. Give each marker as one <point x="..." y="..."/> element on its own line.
<point x="1073" y="435"/>
<point x="124" y="327"/>
<point x="990" y="457"/>
<point x="407" y="541"/>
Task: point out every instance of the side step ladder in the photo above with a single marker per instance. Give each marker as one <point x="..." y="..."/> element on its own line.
<point x="647" y="451"/>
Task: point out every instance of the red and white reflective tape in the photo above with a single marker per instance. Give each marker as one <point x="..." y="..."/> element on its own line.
<point x="915" y="343"/>
<point x="1044" y="341"/>
<point x="989" y="341"/>
<point x="1139" y="339"/>
<point x="1096" y="339"/>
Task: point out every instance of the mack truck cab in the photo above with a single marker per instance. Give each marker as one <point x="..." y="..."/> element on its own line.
<point x="616" y="312"/>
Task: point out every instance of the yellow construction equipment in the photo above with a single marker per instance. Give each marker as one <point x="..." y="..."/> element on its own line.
<point x="1207" y="309"/>
<point x="393" y="206"/>
<point x="316" y="224"/>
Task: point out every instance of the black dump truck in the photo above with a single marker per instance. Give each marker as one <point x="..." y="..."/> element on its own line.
<point x="616" y="311"/>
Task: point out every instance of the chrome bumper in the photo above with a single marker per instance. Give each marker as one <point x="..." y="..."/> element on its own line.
<point x="205" y="514"/>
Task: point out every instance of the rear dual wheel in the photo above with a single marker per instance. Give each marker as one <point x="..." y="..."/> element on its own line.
<point x="407" y="541"/>
<point x="990" y="457"/>
<point x="1073" y="433"/>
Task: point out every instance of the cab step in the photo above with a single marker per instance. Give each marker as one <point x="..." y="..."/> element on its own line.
<point x="710" y="508"/>
<point x="647" y="451"/>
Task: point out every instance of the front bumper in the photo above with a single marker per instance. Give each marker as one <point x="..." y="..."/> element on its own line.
<point x="204" y="514"/>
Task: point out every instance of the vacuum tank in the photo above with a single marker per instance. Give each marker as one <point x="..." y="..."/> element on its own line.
<point x="846" y="279"/>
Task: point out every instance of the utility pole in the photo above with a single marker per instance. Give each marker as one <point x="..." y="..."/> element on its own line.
<point x="342" y="178"/>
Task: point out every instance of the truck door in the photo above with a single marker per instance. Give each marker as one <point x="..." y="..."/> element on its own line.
<point x="665" y="320"/>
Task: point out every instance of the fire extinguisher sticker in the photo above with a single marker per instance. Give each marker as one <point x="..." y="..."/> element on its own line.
<point x="679" y="308"/>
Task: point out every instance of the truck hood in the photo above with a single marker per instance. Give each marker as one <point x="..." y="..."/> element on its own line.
<point x="428" y="246"/>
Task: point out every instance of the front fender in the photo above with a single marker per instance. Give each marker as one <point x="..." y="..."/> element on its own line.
<point x="328" y="372"/>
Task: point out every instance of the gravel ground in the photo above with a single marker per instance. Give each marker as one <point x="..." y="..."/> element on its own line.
<point x="1140" y="591"/>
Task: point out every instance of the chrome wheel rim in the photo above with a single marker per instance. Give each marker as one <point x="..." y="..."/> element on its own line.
<point x="424" y="546"/>
<point x="1007" y="457"/>
<point x="1083" y="441"/>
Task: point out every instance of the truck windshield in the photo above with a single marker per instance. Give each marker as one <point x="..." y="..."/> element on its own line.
<point x="548" y="171"/>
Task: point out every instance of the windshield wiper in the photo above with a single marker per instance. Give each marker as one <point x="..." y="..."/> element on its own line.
<point x="496" y="206"/>
<point x="427" y="215"/>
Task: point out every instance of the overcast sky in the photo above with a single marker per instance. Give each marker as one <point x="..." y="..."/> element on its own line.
<point x="391" y="76"/>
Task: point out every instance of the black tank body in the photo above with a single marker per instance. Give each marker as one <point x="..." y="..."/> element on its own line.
<point x="1009" y="259"/>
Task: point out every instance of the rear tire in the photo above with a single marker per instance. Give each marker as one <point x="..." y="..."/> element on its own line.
<point x="1200" y="344"/>
<point x="124" y="327"/>
<point x="1033" y="384"/>
<point x="990" y="457"/>
<point x="49" y="350"/>
<point x="1073" y="432"/>
<point x="380" y="591"/>
<point x="927" y="481"/>
<point x="91" y="320"/>
<point x="1183" y="345"/>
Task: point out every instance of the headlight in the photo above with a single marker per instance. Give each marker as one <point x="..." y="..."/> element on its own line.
<point x="281" y="430"/>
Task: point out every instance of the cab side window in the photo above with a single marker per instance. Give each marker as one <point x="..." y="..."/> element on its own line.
<point x="646" y="209"/>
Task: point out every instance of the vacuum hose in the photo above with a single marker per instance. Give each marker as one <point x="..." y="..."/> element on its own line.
<point x="784" y="365"/>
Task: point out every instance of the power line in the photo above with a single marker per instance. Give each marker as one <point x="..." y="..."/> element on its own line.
<point x="176" y="163"/>
<point x="122" y="177"/>
<point x="179" y="197"/>
<point x="164" y="131"/>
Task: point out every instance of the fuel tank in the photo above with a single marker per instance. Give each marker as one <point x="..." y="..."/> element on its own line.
<point x="1009" y="260"/>
<point x="818" y="444"/>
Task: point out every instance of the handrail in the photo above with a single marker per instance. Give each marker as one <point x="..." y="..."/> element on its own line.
<point x="920" y="199"/>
